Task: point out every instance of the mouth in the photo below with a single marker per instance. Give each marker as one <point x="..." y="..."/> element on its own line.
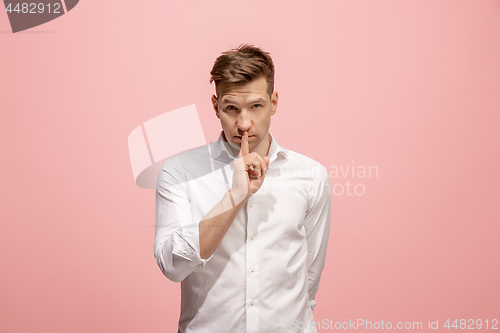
<point x="239" y="137"/>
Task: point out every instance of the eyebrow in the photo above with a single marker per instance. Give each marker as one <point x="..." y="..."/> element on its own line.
<point x="258" y="100"/>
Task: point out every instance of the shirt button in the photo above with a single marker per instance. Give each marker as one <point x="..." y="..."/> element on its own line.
<point x="251" y="204"/>
<point x="251" y="237"/>
<point x="252" y="269"/>
<point x="252" y="303"/>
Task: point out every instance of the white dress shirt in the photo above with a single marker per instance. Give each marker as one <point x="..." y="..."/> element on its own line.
<point x="264" y="274"/>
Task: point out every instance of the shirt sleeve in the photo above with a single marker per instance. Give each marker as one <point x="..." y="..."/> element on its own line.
<point x="177" y="242"/>
<point x="317" y="224"/>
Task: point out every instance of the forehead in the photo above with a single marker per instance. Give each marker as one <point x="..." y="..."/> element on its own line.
<point x="256" y="89"/>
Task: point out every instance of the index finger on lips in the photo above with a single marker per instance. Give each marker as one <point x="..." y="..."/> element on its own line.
<point x="244" y="144"/>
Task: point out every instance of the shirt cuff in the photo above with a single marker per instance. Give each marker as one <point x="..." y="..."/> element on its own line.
<point x="186" y="244"/>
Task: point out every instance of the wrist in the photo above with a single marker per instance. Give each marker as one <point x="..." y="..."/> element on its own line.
<point x="238" y="197"/>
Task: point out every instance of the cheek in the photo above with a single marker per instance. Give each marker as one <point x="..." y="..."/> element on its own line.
<point x="265" y="119"/>
<point x="226" y="122"/>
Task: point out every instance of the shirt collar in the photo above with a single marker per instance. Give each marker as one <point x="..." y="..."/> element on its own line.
<point x="221" y="152"/>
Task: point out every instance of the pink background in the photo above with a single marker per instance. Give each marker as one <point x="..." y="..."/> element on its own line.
<point x="411" y="87"/>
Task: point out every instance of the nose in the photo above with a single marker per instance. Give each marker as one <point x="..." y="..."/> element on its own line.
<point x="244" y="123"/>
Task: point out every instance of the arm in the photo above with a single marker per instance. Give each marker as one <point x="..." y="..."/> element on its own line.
<point x="215" y="224"/>
<point x="317" y="224"/>
<point x="176" y="247"/>
<point x="183" y="246"/>
<point x="177" y="250"/>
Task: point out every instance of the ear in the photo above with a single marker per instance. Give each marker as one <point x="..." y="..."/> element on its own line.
<point x="215" y="106"/>
<point x="274" y="102"/>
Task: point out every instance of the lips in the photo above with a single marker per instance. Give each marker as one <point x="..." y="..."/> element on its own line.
<point x="239" y="137"/>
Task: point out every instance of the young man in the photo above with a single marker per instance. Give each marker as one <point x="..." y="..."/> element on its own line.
<point x="243" y="222"/>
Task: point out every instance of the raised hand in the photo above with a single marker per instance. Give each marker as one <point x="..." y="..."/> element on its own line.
<point x="249" y="172"/>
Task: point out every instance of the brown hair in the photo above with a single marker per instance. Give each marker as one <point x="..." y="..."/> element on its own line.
<point x="242" y="65"/>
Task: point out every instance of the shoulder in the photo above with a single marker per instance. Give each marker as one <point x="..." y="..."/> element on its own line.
<point x="311" y="171"/>
<point x="297" y="160"/>
<point x="188" y="159"/>
<point x="187" y="165"/>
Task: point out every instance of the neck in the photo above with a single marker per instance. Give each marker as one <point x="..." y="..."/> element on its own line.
<point x="263" y="148"/>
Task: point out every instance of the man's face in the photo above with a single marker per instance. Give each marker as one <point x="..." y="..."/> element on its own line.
<point x="249" y="108"/>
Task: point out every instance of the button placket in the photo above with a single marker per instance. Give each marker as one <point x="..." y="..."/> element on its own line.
<point x="252" y="262"/>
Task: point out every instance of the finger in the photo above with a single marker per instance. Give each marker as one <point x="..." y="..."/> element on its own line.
<point x="263" y="163"/>
<point x="253" y="168"/>
<point x="266" y="159"/>
<point x="265" y="171"/>
<point x="244" y="144"/>
<point x="258" y="163"/>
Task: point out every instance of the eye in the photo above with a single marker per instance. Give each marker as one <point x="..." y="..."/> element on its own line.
<point x="256" y="106"/>
<point x="230" y="107"/>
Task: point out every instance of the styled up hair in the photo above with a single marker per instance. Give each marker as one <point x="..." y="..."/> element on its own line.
<point x="242" y="65"/>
